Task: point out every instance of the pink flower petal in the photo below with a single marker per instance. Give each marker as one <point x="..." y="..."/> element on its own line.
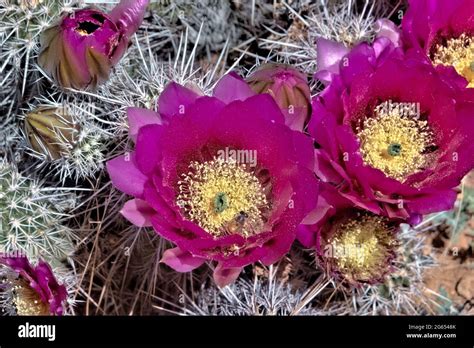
<point x="128" y="15"/>
<point x="224" y="276"/>
<point x="175" y="99"/>
<point x="318" y="213"/>
<point x="386" y="28"/>
<point x="125" y="175"/>
<point x="232" y="87"/>
<point x="306" y="235"/>
<point x="181" y="261"/>
<point x="138" y="117"/>
<point x="329" y="54"/>
<point x="138" y="212"/>
<point x="147" y="148"/>
<point x="431" y="203"/>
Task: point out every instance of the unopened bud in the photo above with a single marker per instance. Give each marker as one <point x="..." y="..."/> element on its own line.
<point x="288" y="87"/>
<point x="51" y="131"/>
<point x="81" y="49"/>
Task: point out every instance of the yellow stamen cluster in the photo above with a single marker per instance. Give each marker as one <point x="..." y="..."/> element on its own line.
<point x="395" y="140"/>
<point x="459" y="53"/>
<point x="27" y="301"/>
<point x="361" y="247"/>
<point x="223" y="197"/>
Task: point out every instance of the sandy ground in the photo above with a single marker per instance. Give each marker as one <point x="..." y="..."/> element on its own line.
<point x="453" y="243"/>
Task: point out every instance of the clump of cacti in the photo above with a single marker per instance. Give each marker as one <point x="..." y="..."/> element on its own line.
<point x="33" y="217"/>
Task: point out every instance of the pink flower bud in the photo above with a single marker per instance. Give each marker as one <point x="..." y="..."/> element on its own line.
<point x="288" y="87"/>
<point x="81" y="49"/>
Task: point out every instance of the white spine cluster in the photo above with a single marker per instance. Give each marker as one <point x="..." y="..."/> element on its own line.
<point x="32" y="216"/>
<point x="266" y="294"/>
<point x="347" y="22"/>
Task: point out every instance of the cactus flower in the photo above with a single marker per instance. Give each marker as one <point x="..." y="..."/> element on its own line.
<point x="394" y="133"/>
<point x="34" y="290"/>
<point x="289" y="88"/>
<point x="233" y="193"/>
<point x="353" y="245"/>
<point x="443" y="30"/>
<point x="80" y="50"/>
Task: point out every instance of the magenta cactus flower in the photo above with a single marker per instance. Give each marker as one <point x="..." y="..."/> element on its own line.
<point x="353" y="245"/>
<point x="394" y="134"/>
<point x="331" y="55"/>
<point x="289" y="87"/>
<point x="222" y="177"/>
<point x="442" y="30"/>
<point x="81" y="49"/>
<point x="35" y="290"/>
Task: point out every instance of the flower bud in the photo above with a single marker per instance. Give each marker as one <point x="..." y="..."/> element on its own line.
<point x="51" y="131"/>
<point x="288" y="87"/>
<point x="81" y="49"/>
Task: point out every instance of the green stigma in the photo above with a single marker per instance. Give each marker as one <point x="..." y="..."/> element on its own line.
<point x="220" y="202"/>
<point x="394" y="149"/>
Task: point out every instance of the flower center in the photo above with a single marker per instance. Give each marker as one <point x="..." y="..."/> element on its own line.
<point x="459" y="53"/>
<point x="27" y="301"/>
<point x="361" y="247"/>
<point x="394" y="149"/>
<point x="395" y="140"/>
<point x="223" y="197"/>
<point x="87" y="28"/>
<point x="220" y="202"/>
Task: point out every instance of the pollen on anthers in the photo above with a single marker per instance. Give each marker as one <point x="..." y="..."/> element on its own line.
<point x="396" y="140"/>
<point x="361" y="247"/>
<point x="459" y="53"/>
<point x="26" y="301"/>
<point x="223" y="197"/>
